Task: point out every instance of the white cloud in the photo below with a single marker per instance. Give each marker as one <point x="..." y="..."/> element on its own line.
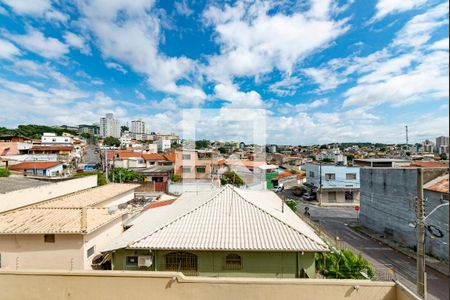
<point x="230" y="92"/>
<point x="440" y="45"/>
<point x="165" y="104"/>
<point x="115" y="66"/>
<point x="254" y="42"/>
<point x="183" y="8"/>
<point x="8" y="50"/>
<point x="3" y="11"/>
<point x="387" y="7"/>
<point x="35" y="41"/>
<point x="133" y="39"/>
<point x="139" y="95"/>
<point x="36" y="8"/>
<point x="288" y="108"/>
<point x="418" y="30"/>
<point x="286" y="87"/>
<point x="77" y="41"/>
<point x="325" y="78"/>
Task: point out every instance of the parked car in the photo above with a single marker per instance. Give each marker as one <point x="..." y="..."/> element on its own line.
<point x="298" y="191"/>
<point x="309" y="196"/>
<point x="277" y="188"/>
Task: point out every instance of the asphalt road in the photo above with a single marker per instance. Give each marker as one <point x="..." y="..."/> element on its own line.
<point x="90" y="157"/>
<point x="335" y="221"/>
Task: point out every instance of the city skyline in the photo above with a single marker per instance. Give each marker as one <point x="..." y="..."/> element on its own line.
<point x="323" y="71"/>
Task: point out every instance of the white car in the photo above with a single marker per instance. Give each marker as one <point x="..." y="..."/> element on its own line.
<point x="277" y="188"/>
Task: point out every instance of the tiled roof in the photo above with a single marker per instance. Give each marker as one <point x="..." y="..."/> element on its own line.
<point x="170" y="157"/>
<point x="156" y="204"/>
<point x="245" y="163"/>
<point x="89" y="197"/>
<point x="439" y="184"/>
<point x="430" y="164"/>
<point x="52" y="148"/>
<point x="153" y="156"/>
<point x="55" y="220"/>
<point x="35" y="165"/>
<point x="231" y="219"/>
<point x="128" y="154"/>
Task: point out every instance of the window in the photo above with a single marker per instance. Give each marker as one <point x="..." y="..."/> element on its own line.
<point x="350" y="176"/>
<point x="186" y="169"/>
<point x="349" y="197"/>
<point x="201" y="169"/>
<point x="311" y="174"/>
<point x="182" y="261"/>
<point x="233" y="262"/>
<point x="49" y="238"/>
<point x="186" y="156"/>
<point x="331" y="196"/>
<point x="90" y="251"/>
<point x="131" y="261"/>
<point x="330" y="176"/>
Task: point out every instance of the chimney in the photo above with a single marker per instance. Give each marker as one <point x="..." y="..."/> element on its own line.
<point x="84" y="219"/>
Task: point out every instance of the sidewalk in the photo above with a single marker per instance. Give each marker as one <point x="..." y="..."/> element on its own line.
<point x="431" y="262"/>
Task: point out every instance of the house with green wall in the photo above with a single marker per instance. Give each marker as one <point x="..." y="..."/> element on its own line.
<point x="220" y="233"/>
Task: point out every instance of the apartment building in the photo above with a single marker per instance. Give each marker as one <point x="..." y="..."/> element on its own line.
<point x="194" y="164"/>
<point x="138" y="127"/>
<point x="109" y="126"/>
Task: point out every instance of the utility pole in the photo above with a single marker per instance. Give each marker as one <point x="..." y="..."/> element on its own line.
<point x="320" y="183"/>
<point x="106" y="165"/>
<point x="421" y="281"/>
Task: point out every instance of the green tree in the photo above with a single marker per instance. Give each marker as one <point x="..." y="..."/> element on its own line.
<point x="101" y="179"/>
<point x="202" y="144"/>
<point x="313" y="157"/>
<point x="175" y="178"/>
<point x="326" y="159"/>
<point x="125" y="175"/>
<point x="4" y="172"/>
<point x="443" y="156"/>
<point x="222" y="150"/>
<point x="343" y="264"/>
<point x="323" y="147"/>
<point x="292" y="204"/>
<point x="231" y="177"/>
<point x="124" y="128"/>
<point x="86" y="135"/>
<point x="111" y="141"/>
<point x="350" y="157"/>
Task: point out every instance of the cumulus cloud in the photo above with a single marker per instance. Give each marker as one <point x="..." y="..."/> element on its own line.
<point x="230" y="93"/>
<point x="115" y="66"/>
<point x="36" y="8"/>
<point x="77" y="41"/>
<point x="325" y="78"/>
<point x="182" y="8"/>
<point x="35" y="41"/>
<point x="387" y="7"/>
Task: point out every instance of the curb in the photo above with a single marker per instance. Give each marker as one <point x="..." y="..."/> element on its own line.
<point x="407" y="253"/>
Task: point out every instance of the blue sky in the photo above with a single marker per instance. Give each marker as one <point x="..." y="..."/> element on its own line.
<point x="320" y="71"/>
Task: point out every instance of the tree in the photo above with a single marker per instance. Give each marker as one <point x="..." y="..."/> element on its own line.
<point x="292" y="204"/>
<point x="313" y="157"/>
<point x="343" y="264"/>
<point x="175" y="178"/>
<point x="231" y="177"/>
<point x="324" y="147"/>
<point x="124" y="128"/>
<point x="111" y="141"/>
<point x="202" y="144"/>
<point x="222" y="150"/>
<point x="125" y="175"/>
<point x="86" y="135"/>
<point x="326" y="159"/>
<point x="443" y="156"/>
<point x="350" y="157"/>
<point x="4" y="172"/>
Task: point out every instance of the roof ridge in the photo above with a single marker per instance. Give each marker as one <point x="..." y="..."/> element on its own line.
<point x="275" y="217"/>
<point x="179" y="217"/>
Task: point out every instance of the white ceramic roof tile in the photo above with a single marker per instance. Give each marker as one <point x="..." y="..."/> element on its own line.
<point x="231" y="219"/>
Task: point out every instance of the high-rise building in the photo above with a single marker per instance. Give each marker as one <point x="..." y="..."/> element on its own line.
<point x="137" y="127"/>
<point x="428" y="146"/>
<point x="441" y="141"/>
<point x="109" y="126"/>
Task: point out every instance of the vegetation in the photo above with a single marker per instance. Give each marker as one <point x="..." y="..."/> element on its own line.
<point x="292" y="204"/>
<point x="350" y="157"/>
<point x="230" y="177"/>
<point x="125" y="175"/>
<point x="34" y="131"/>
<point x="323" y="147"/>
<point x="85" y="135"/>
<point x="293" y="171"/>
<point x="4" y="172"/>
<point x="124" y="128"/>
<point x="175" y="178"/>
<point x="111" y="141"/>
<point x="343" y="264"/>
<point x="202" y="144"/>
<point x="313" y="157"/>
<point x="443" y="156"/>
<point x="326" y="159"/>
<point x="222" y="150"/>
<point x="101" y="179"/>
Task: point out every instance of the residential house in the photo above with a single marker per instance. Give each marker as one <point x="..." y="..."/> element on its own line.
<point x="163" y="145"/>
<point x="39" y="168"/>
<point x="334" y="184"/>
<point x="218" y="233"/>
<point x="49" y="138"/>
<point x="63" y="233"/>
<point x="195" y="164"/>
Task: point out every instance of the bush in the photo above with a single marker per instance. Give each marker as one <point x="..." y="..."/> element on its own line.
<point x="175" y="178"/>
<point x="4" y="172"/>
<point x="125" y="175"/>
<point x="231" y="177"/>
<point x="343" y="264"/>
<point x="292" y="204"/>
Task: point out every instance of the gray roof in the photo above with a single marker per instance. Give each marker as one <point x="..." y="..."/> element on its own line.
<point x="154" y="169"/>
<point x="11" y="184"/>
<point x="228" y="219"/>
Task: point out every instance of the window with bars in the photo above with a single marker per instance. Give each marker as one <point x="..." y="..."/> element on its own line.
<point x="330" y="176"/>
<point x="233" y="262"/>
<point x="350" y="176"/>
<point x="184" y="262"/>
<point x="201" y="169"/>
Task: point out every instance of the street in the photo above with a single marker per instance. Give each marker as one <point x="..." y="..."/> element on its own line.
<point x="335" y="220"/>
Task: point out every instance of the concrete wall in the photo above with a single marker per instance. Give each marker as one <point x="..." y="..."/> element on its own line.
<point x="388" y="205"/>
<point x="437" y="247"/>
<point x="340" y="198"/>
<point x="31" y="252"/>
<point x="33" y="195"/>
<point x="254" y="264"/>
<point x="112" y="285"/>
